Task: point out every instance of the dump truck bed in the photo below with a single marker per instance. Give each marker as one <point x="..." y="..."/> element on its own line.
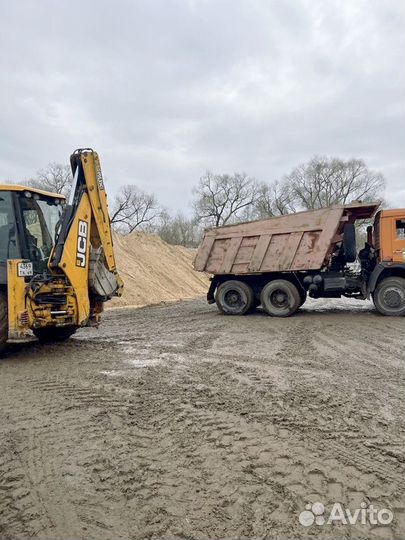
<point x="301" y="241"/>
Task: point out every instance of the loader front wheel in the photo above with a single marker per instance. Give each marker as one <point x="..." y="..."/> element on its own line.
<point x="51" y="334"/>
<point x="3" y="321"/>
<point x="234" y="297"/>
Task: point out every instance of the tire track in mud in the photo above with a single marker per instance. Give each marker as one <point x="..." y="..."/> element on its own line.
<point x="174" y="421"/>
<point x="354" y="450"/>
<point x="40" y="452"/>
<point x="294" y="422"/>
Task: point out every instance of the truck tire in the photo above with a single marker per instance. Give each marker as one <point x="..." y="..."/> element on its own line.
<point x="389" y="296"/>
<point x="234" y="297"/>
<point x="280" y="298"/>
<point x="349" y="242"/>
<point x="3" y="321"/>
<point x="51" y="334"/>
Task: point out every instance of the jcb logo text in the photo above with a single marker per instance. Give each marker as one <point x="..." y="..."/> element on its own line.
<point x="81" y="253"/>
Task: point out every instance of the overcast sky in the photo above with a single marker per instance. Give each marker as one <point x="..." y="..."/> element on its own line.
<point x="165" y="89"/>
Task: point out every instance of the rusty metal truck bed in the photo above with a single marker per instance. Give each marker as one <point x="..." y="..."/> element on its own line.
<point x="301" y="241"/>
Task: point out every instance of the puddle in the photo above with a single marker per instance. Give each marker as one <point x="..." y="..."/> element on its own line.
<point x="113" y="373"/>
<point x="145" y="363"/>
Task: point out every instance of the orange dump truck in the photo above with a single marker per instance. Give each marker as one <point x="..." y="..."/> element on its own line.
<point x="277" y="262"/>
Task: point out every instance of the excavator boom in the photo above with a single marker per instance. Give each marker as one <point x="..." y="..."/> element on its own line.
<point x="84" y="246"/>
<point x="87" y="178"/>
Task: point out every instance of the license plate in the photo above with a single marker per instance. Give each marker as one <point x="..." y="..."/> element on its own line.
<point x="25" y="269"/>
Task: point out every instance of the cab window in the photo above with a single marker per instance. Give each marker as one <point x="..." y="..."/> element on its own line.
<point x="400" y="228"/>
<point x="8" y="239"/>
<point x="39" y="240"/>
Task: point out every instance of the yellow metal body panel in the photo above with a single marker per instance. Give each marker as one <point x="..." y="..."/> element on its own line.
<point x="18" y="318"/>
<point x="98" y="200"/>
<point x="75" y="259"/>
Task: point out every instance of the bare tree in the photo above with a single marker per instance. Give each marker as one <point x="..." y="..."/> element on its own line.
<point x="56" y="178"/>
<point x="220" y="199"/>
<point x="276" y="199"/>
<point x="179" y="230"/>
<point x="326" y="181"/>
<point x="133" y="208"/>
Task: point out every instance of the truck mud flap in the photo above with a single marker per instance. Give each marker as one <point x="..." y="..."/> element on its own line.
<point x="211" y="290"/>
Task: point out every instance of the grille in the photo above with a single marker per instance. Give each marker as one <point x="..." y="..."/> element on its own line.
<point x="55" y="300"/>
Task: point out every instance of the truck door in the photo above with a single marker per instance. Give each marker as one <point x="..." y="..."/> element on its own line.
<point x="398" y="240"/>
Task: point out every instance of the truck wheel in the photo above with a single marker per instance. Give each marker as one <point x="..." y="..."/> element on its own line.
<point x="3" y="321"/>
<point x="234" y="297"/>
<point x="54" y="333"/>
<point x="280" y="298"/>
<point x="389" y="296"/>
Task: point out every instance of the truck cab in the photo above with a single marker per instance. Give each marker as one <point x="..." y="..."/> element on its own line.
<point x="389" y="235"/>
<point x="386" y="283"/>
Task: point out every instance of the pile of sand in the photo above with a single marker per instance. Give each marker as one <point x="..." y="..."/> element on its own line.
<point x="154" y="271"/>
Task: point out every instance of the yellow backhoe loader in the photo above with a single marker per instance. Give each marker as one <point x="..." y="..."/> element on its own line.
<point x="57" y="265"/>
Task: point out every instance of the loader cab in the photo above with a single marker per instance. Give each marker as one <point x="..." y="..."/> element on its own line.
<point x="29" y="221"/>
<point x="389" y="235"/>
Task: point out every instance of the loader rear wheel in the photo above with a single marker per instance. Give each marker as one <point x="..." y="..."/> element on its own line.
<point x="53" y="333"/>
<point x="389" y="296"/>
<point x="3" y="321"/>
<point x="234" y="297"/>
<point x="280" y="298"/>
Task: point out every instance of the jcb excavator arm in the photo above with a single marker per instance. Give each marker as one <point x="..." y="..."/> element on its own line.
<point x="84" y="246"/>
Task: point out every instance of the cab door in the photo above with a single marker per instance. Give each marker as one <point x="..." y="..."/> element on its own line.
<point x="398" y="239"/>
<point x="9" y="245"/>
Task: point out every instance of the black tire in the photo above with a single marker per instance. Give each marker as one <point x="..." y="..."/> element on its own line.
<point x="280" y="298"/>
<point x="349" y="242"/>
<point x="389" y="296"/>
<point x="50" y="334"/>
<point x="234" y="297"/>
<point x="3" y="321"/>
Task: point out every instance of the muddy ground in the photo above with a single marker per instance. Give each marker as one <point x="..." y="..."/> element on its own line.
<point x="176" y="422"/>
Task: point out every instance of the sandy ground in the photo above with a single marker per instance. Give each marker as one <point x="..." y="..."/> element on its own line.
<point x="154" y="271"/>
<point x="176" y="422"/>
